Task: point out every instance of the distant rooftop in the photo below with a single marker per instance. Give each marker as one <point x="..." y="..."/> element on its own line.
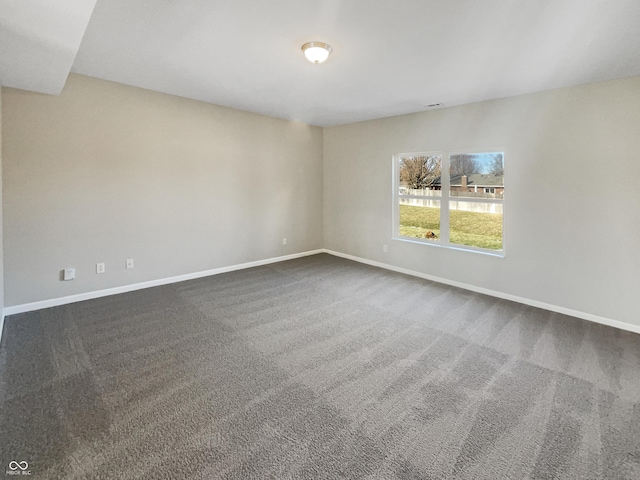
<point x="479" y="180"/>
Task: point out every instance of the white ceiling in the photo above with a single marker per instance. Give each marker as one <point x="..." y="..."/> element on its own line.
<point x="389" y="56"/>
<point x="39" y="40"/>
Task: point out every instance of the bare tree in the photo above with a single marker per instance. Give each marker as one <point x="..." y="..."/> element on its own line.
<point x="464" y="164"/>
<point x="420" y="172"/>
<point x="497" y="164"/>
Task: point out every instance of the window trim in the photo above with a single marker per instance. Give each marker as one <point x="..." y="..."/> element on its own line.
<point x="444" y="199"/>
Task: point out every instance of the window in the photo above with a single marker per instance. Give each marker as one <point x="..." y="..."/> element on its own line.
<point x="453" y="200"/>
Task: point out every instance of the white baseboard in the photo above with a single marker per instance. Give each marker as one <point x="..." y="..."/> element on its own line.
<point x="534" y="303"/>
<point x="54" y="302"/>
<point x="27" y="307"/>
<point x="1" y="325"/>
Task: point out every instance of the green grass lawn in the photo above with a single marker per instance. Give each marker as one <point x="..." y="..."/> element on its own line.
<point x="482" y="230"/>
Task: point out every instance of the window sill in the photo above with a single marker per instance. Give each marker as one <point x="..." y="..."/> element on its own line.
<point x="463" y="248"/>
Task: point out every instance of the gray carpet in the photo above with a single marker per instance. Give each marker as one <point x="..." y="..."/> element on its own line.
<point x="317" y="368"/>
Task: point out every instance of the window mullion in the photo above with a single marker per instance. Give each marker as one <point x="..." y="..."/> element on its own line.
<point x="444" y="204"/>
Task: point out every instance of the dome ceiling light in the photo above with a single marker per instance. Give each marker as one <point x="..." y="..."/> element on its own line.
<point x="316" y="52"/>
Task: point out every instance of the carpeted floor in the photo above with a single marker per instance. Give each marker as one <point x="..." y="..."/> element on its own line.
<point x="317" y="368"/>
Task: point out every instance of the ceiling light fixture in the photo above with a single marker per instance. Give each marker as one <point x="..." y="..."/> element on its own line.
<point x="316" y="52"/>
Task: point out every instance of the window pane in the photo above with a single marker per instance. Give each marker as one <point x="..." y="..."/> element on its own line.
<point x="477" y="175"/>
<point x="420" y="175"/>
<point x="418" y="221"/>
<point x="479" y="228"/>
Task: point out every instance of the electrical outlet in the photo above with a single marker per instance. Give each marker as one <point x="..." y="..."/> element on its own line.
<point x="99" y="267"/>
<point x="284" y="240"/>
<point x="69" y="274"/>
<point x="129" y="262"/>
<point x="385" y="249"/>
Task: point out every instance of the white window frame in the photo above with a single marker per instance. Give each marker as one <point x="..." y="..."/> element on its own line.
<point x="445" y="198"/>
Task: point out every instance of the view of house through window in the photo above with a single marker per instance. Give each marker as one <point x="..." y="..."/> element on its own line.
<point x="463" y="207"/>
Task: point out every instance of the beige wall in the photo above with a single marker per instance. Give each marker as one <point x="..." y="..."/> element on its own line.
<point x="572" y="228"/>
<point x="106" y="172"/>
